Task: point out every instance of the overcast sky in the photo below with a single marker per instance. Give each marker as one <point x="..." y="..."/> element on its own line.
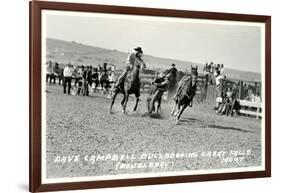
<point x="235" y="46"/>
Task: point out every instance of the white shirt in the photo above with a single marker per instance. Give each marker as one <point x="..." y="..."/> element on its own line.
<point x="221" y="70"/>
<point x="50" y="70"/>
<point x="112" y="78"/>
<point x="67" y="71"/>
<point x="218" y="79"/>
<point x="131" y="58"/>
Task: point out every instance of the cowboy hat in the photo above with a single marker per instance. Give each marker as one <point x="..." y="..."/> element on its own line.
<point x="173" y="64"/>
<point x="138" y="49"/>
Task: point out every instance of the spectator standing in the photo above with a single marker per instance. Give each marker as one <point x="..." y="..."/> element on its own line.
<point x="104" y="67"/>
<point x="95" y="77"/>
<point x="112" y="81"/>
<point x="80" y="90"/>
<point x="57" y="72"/>
<point x="100" y="68"/>
<point x="90" y="76"/>
<point x="222" y="69"/>
<point x="49" y="72"/>
<point x="85" y="81"/>
<point x="75" y="75"/>
<point x="67" y="77"/>
<point x="218" y="77"/>
<point x="79" y="74"/>
<point x="112" y="78"/>
<point x="52" y="75"/>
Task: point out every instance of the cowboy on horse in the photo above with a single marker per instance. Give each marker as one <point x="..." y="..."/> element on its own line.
<point x="129" y="81"/>
<point x="130" y="62"/>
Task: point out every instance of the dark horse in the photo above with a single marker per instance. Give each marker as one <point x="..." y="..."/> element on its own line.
<point x="185" y="93"/>
<point x="130" y="85"/>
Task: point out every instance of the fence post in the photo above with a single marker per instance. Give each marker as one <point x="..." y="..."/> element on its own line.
<point x="240" y="89"/>
<point x="220" y="89"/>
<point x="256" y="88"/>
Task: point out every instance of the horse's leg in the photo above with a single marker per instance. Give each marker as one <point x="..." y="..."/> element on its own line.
<point x="178" y="109"/>
<point x="126" y="98"/>
<point x="113" y="100"/>
<point x="137" y="95"/>
<point x="137" y="101"/>
<point x="180" y="112"/>
<point x="158" y="106"/>
<point x="173" y="111"/>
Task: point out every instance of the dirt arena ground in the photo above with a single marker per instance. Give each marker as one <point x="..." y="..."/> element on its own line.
<point x="82" y="126"/>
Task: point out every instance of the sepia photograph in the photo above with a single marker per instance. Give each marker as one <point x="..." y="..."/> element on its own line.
<point x="133" y="96"/>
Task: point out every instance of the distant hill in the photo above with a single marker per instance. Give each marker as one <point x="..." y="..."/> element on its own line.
<point x="77" y="54"/>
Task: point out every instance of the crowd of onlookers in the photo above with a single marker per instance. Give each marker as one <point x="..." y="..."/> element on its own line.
<point x="77" y="80"/>
<point x="216" y="70"/>
<point x="214" y="73"/>
<point x="54" y="72"/>
<point x="228" y="94"/>
<point x="252" y="97"/>
<point x="230" y="105"/>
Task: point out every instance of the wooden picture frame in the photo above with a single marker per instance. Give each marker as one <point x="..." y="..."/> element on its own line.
<point x="35" y="166"/>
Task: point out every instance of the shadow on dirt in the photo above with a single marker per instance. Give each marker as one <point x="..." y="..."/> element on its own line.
<point x="188" y="120"/>
<point x="155" y="115"/>
<point x="159" y="116"/>
<point x="229" y="128"/>
<point x="96" y="96"/>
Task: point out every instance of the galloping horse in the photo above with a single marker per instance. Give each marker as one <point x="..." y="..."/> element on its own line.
<point x="185" y="93"/>
<point x="131" y="85"/>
